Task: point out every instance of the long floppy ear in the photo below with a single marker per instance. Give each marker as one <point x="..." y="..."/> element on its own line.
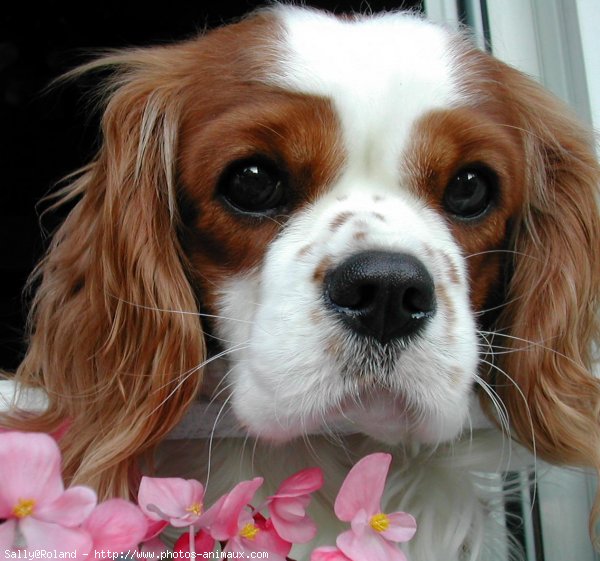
<point x="113" y="342"/>
<point x="551" y="319"/>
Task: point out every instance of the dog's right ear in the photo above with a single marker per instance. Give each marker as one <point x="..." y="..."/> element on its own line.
<point x="115" y="341"/>
<point x="550" y="321"/>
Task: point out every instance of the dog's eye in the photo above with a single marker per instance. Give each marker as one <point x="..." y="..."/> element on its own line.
<point x="470" y="192"/>
<point x="253" y="186"/>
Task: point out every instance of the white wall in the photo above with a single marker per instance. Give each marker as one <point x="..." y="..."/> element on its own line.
<point x="588" y="12"/>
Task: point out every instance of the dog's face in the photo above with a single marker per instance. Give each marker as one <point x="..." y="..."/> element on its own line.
<point x="342" y="201"/>
<point x="350" y="229"/>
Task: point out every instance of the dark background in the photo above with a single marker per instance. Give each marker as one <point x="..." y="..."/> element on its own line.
<point x="46" y="135"/>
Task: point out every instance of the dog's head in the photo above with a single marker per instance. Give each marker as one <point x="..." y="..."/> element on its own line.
<point x="364" y="218"/>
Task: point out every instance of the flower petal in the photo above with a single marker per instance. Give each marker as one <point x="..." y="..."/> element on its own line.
<point x="360" y="523"/>
<point x="293" y="508"/>
<point x="240" y="545"/>
<point x="304" y="482"/>
<point x="116" y="526"/>
<point x="154" y="528"/>
<point x="369" y="546"/>
<point x="268" y="540"/>
<point x="29" y="469"/>
<point x="154" y="546"/>
<point x="328" y="553"/>
<point x="290" y="520"/>
<point x="203" y="543"/>
<point x="223" y="518"/>
<point x="61" y="430"/>
<point x="70" y="509"/>
<point x="49" y="537"/>
<point x="402" y="527"/>
<point x="170" y="498"/>
<point x="363" y="487"/>
<point x="7" y="534"/>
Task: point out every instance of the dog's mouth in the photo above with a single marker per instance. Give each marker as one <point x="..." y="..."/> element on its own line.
<point x="370" y="395"/>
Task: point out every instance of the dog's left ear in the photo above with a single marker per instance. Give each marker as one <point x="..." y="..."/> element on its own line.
<point x="551" y="319"/>
<point x="116" y="342"/>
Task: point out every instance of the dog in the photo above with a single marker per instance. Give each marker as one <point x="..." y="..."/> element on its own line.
<point x="322" y="222"/>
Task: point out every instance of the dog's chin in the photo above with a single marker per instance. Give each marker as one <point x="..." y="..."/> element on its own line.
<point x="389" y="419"/>
<point x="381" y="416"/>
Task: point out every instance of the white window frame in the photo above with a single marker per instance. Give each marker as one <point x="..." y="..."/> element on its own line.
<point x="557" y="42"/>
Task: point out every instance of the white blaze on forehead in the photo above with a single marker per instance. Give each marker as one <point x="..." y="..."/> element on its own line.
<point x="381" y="72"/>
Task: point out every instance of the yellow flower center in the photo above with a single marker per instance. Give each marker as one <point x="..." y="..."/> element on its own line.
<point x="380" y="522"/>
<point x="249" y="531"/>
<point x="195" y="508"/>
<point x="23" y="508"/>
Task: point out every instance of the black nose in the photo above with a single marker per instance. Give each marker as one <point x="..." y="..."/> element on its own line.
<point x="382" y="294"/>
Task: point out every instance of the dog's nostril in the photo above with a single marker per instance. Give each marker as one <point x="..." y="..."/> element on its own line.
<point x="382" y="294"/>
<point x="368" y="295"/>
<point x="354" y="296"/>
<point x="417" y="301"/>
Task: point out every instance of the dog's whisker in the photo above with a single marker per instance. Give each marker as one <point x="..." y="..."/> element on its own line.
<point x="525" y="404"/>
<point x="177" y="312"/>
<point x="219" y="393"/>
<point x="180" y="383"/>
<point x="509" y="251"/>
<point x="211" y="439"/>
<point x="243" y="452"/>
<point x="539" y="344"/>
<point x="494" y="348"/>
<point x="494" y="397"/>
<point x="253" y="456"/>
<point x="501" y="411"/>
<point x="498" y="307"/>
<point x="306" y="439"/>
<point x="185" y="375"/>
<point x="218" y="390"/>
<point x="499" y="406"/>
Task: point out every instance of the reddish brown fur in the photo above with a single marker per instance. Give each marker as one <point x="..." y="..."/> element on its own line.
<point x="340" y="220"/>
<point x="444" y="142"/>
<point x="298" y="133"/>
<point x="322" y="268"/>
<point x="550" y="315"/>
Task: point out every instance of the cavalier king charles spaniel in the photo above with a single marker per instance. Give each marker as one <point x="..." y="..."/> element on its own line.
<point x="347" y="232"/>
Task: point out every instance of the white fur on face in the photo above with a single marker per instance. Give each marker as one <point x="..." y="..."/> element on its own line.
<point x="300" y="367"/>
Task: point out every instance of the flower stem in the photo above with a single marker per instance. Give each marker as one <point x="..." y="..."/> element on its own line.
<point x="192" y="544"/>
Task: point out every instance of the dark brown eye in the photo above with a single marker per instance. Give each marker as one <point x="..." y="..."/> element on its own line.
<point x="470" y="193"/>
<point x="253" y="186"/>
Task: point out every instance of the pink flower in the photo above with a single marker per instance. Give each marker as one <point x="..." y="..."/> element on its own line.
<point x="374" y="534"/>
<point x="39" y="513"/>
<point x="202" y="543"/>
<point x="153" y="528"/>
<point x="328" y="553"/>
<point x="229" y="520"/>
<point x="154" y="546"/>
<point x="116" y="526"/>
<point x="179" y="501"/>
<point x="288" y="506"/>
<point x="62" y="429"/>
